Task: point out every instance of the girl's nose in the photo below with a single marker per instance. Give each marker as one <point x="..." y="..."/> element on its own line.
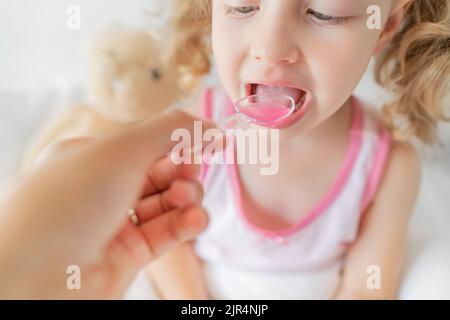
<point x="274" y="48"/>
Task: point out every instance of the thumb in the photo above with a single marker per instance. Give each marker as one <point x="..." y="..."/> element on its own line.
<point x="144" y="143"/>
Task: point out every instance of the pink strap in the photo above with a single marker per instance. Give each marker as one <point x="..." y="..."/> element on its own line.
<point x="206" y="101"/>
<point x="206" y="106"/>
<point x="377" y="170"/>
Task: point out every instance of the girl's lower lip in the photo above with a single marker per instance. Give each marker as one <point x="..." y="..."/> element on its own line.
<point x="296" y="116"/>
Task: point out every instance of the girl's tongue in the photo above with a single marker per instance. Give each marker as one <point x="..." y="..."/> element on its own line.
<point x="292" y="92"/>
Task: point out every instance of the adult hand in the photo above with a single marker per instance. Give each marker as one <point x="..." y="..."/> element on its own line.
<point x="72" y="211"/>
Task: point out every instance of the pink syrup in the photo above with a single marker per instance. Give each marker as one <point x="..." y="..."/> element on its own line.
<point x="266" y="114"/>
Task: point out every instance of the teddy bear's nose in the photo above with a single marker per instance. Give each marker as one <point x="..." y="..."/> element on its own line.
<point x="155" y="74"/>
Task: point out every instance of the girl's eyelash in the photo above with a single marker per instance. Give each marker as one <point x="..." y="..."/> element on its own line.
<point x="242" y="11"/>
<point x="326" y="19"/>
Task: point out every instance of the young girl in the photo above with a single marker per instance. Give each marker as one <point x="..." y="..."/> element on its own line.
<point x="333" y="222"/>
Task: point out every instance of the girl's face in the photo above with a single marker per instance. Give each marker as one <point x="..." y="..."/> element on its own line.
<point x="319" y="47"/>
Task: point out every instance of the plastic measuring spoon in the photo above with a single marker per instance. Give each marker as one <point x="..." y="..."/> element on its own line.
<point x="266" y="110"/>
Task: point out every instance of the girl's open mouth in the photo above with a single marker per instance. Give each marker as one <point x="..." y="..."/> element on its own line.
<point x="300" y="97"/>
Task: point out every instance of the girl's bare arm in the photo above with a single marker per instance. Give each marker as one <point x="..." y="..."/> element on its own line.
<point x="373" y="267"/>
<point x="178" y="275"/>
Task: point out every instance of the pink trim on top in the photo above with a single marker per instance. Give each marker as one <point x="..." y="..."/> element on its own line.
<point x="206" y="106"/>
<point x="378" y="166"/>
<point x="327" y="200"/>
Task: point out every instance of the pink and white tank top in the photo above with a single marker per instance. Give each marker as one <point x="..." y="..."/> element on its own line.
<point x="320" y="238"/>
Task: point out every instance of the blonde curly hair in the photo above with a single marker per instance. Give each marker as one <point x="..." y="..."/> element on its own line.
<point x="188" y="45"/>
<point x="415" y="65"/>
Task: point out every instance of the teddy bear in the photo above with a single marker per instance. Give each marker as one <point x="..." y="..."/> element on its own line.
<point x="128" y="81"/>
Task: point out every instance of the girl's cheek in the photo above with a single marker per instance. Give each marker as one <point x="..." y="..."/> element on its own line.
<point x="336" y="70"/>
<point x="344" y="62"/>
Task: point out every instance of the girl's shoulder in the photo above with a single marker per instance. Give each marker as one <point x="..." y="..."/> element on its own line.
<point x="403" y="149"/>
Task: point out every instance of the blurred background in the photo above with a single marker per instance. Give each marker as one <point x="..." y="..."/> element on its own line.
<point x="42" y="69"/>
<point x="43" y="59"/>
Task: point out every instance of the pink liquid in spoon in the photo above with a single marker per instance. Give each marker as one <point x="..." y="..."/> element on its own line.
<point x="265" y="113"/>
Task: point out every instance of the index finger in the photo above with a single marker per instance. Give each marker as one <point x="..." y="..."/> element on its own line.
<point x="163" y="172"/>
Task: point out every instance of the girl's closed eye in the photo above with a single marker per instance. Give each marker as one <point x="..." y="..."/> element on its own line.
<point x="324" y="19"/>
<point x="241" y="11"/>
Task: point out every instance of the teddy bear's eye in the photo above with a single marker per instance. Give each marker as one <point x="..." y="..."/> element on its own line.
<point x="155" y="74"/>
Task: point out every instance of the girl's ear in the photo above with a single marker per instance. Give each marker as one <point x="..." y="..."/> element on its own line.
<point x="393" y="24"/>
